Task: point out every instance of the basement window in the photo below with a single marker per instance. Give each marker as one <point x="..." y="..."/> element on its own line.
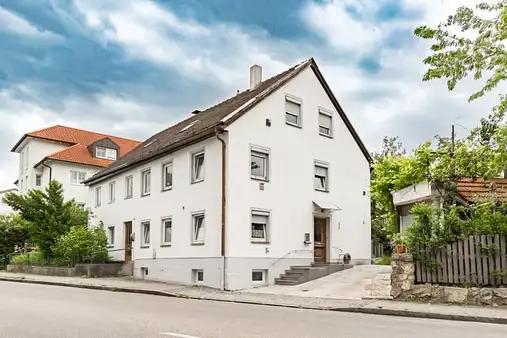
<point x="259" y="277"/>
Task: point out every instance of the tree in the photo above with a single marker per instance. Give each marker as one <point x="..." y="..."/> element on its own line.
<point x="13" y="231"/>
<point x="47" y="214"/>
<point x="478" y="49"/>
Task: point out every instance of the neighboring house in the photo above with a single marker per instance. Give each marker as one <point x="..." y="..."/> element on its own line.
<point x="68" y="155"/>
<point x="469" y="191"/>
<point x="272" y="177"/>
<point x="4" y="208"/>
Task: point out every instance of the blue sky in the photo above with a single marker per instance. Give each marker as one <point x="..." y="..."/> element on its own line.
<point x="132" y="68"/>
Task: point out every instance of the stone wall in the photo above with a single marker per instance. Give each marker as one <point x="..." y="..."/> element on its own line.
<point x="403" y="287"/>
<point x="80" y="270"/>
<point x="403" y="275"/>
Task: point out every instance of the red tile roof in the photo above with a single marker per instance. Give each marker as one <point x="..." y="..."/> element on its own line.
<point x="78" y="141"/>
<point x="478" y="190"/>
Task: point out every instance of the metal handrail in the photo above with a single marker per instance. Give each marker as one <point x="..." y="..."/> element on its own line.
<point x="289" y="253"/>
<point x="340" y="254"/>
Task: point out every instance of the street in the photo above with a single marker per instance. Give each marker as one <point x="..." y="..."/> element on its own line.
<point x="32" y="311"/>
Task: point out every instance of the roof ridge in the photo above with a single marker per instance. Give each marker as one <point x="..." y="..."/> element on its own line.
<point x="83" y="130"/>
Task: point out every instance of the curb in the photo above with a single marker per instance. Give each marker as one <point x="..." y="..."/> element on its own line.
<point x="361" y="310"/>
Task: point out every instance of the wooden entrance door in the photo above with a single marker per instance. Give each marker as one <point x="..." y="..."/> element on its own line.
<point x="128" y="241"/>
<point x="320" y="240"/>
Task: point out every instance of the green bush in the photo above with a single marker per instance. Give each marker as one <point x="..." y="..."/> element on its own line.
<point x="82" y="244"/>
<point x="29" y="258"/>
<point x="384" y="260"/>
<point x="13" y="231"/>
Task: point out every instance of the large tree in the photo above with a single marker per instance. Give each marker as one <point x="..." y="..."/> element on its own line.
<point x="47" y="214"/>
<point x="470" y="43"/>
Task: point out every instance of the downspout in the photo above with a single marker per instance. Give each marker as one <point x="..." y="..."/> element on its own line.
<point x="50" y="170"/>
<point x="218" y="131"/>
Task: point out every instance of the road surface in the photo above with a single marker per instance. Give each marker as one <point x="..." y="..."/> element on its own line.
<point x="33" y="311"/>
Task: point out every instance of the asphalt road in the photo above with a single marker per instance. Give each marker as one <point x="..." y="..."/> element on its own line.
<point x="33" y="311"/>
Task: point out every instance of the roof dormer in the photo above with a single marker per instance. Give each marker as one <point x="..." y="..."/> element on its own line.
<point x="104" y="149"/>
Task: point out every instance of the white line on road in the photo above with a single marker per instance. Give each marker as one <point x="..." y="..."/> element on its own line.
<point x="179" y="335"/>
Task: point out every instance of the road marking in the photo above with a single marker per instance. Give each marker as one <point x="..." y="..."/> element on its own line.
<point x="179" y="335"/>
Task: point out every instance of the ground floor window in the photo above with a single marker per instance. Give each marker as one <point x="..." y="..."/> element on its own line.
<point x="197" y="276"/>
<point x="259" y="277"/>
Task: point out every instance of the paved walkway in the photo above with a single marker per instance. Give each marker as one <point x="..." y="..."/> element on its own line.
<point x="347" y="284"/>
<point x="382" y="307"/>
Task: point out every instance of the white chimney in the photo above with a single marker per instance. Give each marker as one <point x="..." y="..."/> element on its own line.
<point x="255" y="76"/>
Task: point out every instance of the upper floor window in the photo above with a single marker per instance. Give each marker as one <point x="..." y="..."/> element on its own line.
<point x="321" y="181"/>
<point x="26" y="158"/>
<point x="293" y="112"/>
<point x="325" y="123"/>
<point x="259" y="164"/>
<point x="145" y="182"/>
<point x="145" y="234"/>
<point x="198" y="167"/>
<point x="167" y="229"/>
<point x="98" y="196"/>
<point x="112" y="192"/>
<point x="260" y="221"/>
<point x="129" y="186"/>
<point x="198" y="228"/>
<point x="38" y="180"/>
<point x="167" y="178"/>
<point x="77" y="177"/>
<point x="21" y="161"/>
<point x="106" y="153"/>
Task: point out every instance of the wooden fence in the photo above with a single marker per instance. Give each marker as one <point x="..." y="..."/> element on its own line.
<point x="478" y="260"/>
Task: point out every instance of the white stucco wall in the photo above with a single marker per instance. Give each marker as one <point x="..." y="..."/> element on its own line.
<point x="61" y="173"/>
<point x="290" y="190"/>
<point x="175" y="262"/>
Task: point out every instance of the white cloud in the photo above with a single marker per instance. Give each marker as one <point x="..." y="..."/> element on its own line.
<point x="18" y="25"/>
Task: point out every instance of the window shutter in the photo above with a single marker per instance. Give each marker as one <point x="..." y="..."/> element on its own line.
<point x="292" y="107"/>
<point x="320" y="171"/>
<point x="325" y="120"/>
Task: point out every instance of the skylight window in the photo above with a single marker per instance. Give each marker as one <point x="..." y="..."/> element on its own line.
<point x="190" y="125"/>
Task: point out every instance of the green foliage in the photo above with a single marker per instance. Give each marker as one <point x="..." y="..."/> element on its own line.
<point x="470" y="43"/>
<point x="82" y="244"/>
<point x="437" y="227"/>
<point x="47" y="214"/>
<point x="384" y="260"/>
<point x="29" y="258"/>
<point x="13" y="231"/>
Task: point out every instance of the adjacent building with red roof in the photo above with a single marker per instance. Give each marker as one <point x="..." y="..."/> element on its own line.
<point x="68" y="155"/>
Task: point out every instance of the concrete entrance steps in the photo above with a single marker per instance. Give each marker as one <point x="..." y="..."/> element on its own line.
<point x="302" y="274"/>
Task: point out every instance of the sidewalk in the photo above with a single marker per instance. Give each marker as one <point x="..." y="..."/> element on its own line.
<point x="381" y="307"/>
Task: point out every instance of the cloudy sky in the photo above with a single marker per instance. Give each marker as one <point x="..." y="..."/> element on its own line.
<point x="134" y="67"/>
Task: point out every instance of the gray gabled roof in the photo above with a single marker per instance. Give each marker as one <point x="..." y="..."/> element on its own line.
<point x="204" y="124"/>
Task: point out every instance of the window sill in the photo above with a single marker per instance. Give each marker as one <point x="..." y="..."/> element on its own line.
<point x="197" y="243"/>
<point x="128" y="198"/>
<point x="98" y="206"/>
<point x="144" y="246"/>
<point x="167" y="189"/>
<point x="326" y="135"/>
<point x="260" y="179"/>
<point x="110" y="246"/>
<point x="197" y="181"/>
<point x="293" y="125"/>
<point x="111" y="202"/>
<point x="253" y="241"/>
<point x="165" y="245"/>
<point x="144" y="195"/>
<point x="323" y="190"/>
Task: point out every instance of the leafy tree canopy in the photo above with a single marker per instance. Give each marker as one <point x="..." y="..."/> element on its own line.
<point x="47" y="214"/>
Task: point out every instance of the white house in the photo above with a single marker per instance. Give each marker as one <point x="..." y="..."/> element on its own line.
<point x="67" y="155"/>
<point x="274" y="176"/>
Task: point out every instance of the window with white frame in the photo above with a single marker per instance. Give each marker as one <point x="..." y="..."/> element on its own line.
<point x="167" y="178"/>
<point x="81" y="205"/>
<point x="198" y="167"/>
<point x="259" y="164"/>
<point x="292" y="112"/>
<point x="259" y="276"/>
<point x="106" y="153"/>
<point x="129" y="186"/>
<point x="145" y="234"/>
<point x="112" y="192"/>
<point x="145" y="182"/>
<point x="325" y="123"/>
<point x="21" y="161"/>
<point x="38" y="180"/>
<point x="77" y="177"/>
<point x="259" y="226"/>
<point x="167" y="231"/>
<point x="321" y="181"/>
<point x="98" y="196"/>
<point x="110" y="235"/>
<point x="197" y="276"/>
<point x="198" y="228"/>
<point x="26" y="158"/>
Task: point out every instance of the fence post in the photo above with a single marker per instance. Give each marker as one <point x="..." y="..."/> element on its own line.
<point x="403" y="274"/>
